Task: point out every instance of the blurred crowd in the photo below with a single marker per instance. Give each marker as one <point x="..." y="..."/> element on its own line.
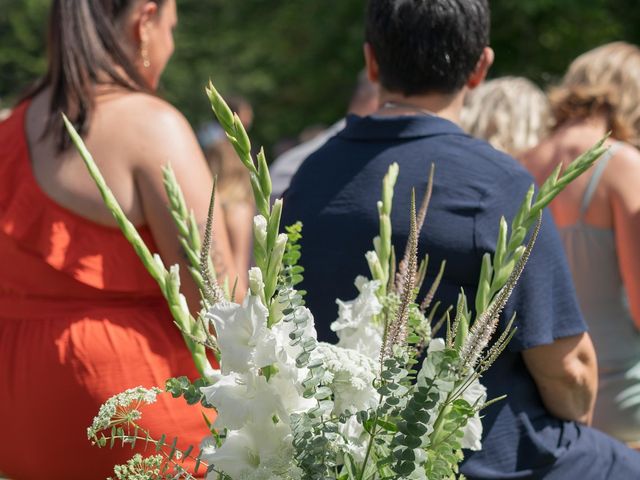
<point x="97" y="314"/>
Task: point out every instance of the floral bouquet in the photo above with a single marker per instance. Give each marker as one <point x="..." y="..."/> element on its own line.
<point x="389" y="401"/>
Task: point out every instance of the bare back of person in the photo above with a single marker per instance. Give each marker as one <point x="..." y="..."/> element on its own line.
<point x="615" y="204"/>
<point x="132" y="136"/>
<point x="561" y="148"/>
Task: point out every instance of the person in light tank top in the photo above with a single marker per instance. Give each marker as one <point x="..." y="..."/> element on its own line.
<point x="599" y="219"/>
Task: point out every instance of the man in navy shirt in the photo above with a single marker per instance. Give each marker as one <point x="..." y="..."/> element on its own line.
<point x="425" y="55"/>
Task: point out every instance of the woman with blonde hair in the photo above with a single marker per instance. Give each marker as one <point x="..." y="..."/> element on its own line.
<point x="599" y="218"/>
<point x="511" y="113"/>
<point x="80" y="318"/>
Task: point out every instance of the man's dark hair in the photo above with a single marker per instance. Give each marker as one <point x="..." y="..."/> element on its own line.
<point x="427" y="46"/>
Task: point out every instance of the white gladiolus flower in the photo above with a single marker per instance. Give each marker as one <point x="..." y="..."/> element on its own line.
<point x="355" y="326"/>
<point x="244" y="340"/>
<point x="290" y="392"/>
<point x="257" y="450"/>
<point x="288" y="353"/>
<point x="242" y="398"/>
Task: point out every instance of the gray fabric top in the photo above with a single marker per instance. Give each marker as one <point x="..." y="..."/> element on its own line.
<point x="593" y="260"/>
<point x="592" y="256"/>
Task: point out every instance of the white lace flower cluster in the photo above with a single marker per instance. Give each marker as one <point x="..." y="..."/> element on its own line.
<point x="121" y="409"/>
<point x="350" y="375"/>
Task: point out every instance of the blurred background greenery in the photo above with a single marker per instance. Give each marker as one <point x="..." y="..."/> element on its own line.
<point x="296" y="60"/>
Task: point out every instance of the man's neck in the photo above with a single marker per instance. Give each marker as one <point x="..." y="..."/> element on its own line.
<point x="446" y="106"/>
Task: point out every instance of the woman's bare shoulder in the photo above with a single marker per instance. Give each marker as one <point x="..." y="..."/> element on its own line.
<point x="147" y="113"/>
<point x="626" y="156"/>
<point x="623" y="171"/>
<point x="153" y="127"/>
<point x="538" y="160"/>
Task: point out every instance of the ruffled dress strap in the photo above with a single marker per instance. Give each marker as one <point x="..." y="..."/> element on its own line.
<point x="95" y="255"/>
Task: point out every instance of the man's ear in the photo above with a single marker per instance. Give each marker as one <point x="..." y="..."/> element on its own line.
<point x="371" y="63"/>
<point x="482" y="68"/>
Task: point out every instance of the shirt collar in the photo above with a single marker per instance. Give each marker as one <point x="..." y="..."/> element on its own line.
<point x="375" y="127"/>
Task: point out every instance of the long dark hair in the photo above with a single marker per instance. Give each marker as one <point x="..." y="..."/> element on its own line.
<point x="83" y="50"/>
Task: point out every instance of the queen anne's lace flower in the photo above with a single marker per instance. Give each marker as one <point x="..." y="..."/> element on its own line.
<point x="122" y="409"/>
<point x="350" y="377"/>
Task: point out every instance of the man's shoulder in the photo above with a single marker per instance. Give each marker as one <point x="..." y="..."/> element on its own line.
<point x="486" y="157"/>
<point x="458" y="157"/>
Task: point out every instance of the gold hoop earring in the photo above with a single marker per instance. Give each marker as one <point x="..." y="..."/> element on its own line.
<point x="144" y="53"/>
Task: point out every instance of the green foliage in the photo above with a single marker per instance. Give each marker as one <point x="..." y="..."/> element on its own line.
<point x="297" y="61"/>
<point x="183" y="387"/>
<point x="292" y="272"/>
<point x="22" y="26"/>
<point x="187" y="226"/>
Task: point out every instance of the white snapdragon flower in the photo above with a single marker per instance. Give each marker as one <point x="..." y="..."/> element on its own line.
<point x="243" y="337"/>
<point x="256" y="284"/>
<point x="260" y="231"/>
<point x="355" y="325"/>
<point x="476" y="395"/>
<point x="429" y="369"/>
<point x="355" y="438"/>
<point x="257" y="450"/>
<point x="242" y="398"/>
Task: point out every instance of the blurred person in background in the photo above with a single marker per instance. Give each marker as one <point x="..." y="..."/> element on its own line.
<point x="4" y="112"/>
<point x="364" y="101"/>
<point x="511" y="113"/>
<point x="426" y="55"/>
<point x="234" y="192"/>
<point x="599" y="219"/>
<point x="80" y="318"/>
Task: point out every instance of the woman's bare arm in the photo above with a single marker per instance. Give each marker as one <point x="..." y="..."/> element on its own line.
<point x="566" y="375"/>
<point x="239" y="221"/>
<point x="168" y="139"/>
<point x="623" y="183"/>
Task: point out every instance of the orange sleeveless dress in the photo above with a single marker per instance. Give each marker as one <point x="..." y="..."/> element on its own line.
<point x="80" y="320"/>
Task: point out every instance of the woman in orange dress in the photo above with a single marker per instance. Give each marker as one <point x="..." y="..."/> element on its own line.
<point x="80" y="318"/>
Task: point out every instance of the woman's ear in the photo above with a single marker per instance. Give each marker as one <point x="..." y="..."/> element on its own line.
<point x="142" y="18"/>
<point x="371" y="63"/>
<point x="482" y="68"/>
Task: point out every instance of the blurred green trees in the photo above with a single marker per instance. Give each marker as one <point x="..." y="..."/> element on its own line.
<point x="297" y="60"/>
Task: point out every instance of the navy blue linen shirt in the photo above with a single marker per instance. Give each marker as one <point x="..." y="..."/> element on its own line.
<point x="334" y="194"/>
